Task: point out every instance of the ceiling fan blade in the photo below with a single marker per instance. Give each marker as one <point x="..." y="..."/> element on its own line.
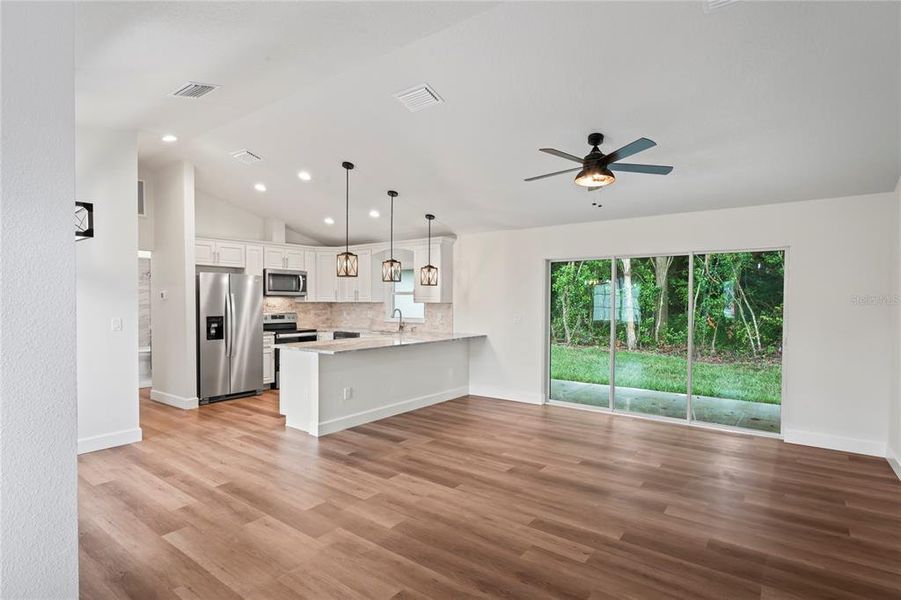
<point x="630" y="149"/>
<point x="561" y="154"/>
<point x="552" y="174"/>
<point x="651" y="169"/>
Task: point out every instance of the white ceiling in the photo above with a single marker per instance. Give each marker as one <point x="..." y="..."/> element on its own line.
<point x="755" y="103"/>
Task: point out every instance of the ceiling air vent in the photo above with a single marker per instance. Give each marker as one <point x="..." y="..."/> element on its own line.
<point x="194" y="90"/>
<point x="712" y="5"/>
<point x="419" y="97"/>
<point x="246" y="156"/>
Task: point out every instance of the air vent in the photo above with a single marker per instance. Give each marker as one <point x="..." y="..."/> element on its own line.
<point x="712" y="5"/>
<point x="419" y="97"/>
<point x="246" y="156"/>
<point x="194" y="90"/>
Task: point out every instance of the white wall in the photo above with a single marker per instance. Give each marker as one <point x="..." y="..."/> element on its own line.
<point x="106" y="169"/>
<point x="215" y="217"/>
<point x="894" y="442"/>
<point x="38" y="520"/>
<point x="172" y="275"/>
<point x="839" y="356"/>
<point x="295" y="237"/>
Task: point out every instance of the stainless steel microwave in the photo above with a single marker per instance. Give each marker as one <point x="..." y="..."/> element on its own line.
<point x="284" y="282"/>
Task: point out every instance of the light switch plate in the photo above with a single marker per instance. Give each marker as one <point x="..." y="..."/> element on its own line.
<point x="115" y="324"/>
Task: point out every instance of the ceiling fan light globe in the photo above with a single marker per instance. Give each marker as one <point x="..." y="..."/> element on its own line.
<point x="595" y="176"/>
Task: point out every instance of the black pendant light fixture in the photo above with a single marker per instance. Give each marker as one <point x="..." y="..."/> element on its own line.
<point x="347" y="260"/>
<point x="428" y="275"/>
<point x="391" y="267"/>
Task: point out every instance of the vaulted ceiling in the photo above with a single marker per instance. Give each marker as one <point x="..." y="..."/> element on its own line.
<point x="755" y="103"/>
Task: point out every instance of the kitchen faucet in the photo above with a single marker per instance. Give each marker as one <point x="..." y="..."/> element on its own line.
<point x="400" y="324"/>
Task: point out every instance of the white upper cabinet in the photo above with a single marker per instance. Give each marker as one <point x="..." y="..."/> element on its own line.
<point x="253" y="259"/>
<point x="294" y="259"/>
<point x="204" y="252"/>
<point x="218" y="253"/>
<point x="363" y="280"/>
<point x="229" y="254"/>
<point x="309" y="261"/>
<point x="323" y="284"/>
<point x="275" y="257"/>
<point x="326" y="285"/>
<point x="281" y="257"/>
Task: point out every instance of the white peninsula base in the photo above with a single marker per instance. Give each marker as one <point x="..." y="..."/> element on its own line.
<point x="331" y="386"/>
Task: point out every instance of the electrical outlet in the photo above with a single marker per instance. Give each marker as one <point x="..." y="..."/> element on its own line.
<point x="115" y="324"/>
<point x="348" y="393"/>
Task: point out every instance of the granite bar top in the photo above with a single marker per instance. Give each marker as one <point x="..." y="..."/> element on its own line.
<point x="377" y="341"/>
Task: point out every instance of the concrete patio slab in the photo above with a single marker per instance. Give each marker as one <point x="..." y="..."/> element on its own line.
<point x="722" y="411"/>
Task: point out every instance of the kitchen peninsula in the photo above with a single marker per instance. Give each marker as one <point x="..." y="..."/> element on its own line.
<point x="332" y="385"/>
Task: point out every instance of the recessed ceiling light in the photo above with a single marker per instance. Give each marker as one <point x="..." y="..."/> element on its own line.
<point x="374" y="214"/>
<point x="329" y="221"/>
<point x="169" y="138"/>
<point x="260" y="187"/>
<point x="304" y="176"/>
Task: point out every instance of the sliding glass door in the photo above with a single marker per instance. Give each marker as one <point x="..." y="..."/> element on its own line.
<point x="651" y="350"/>
<point x="581" y="293"/>
<point x="695" y="337"/>
<point x="737" y="367"/>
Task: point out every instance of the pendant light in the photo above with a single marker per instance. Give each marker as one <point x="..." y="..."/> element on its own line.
<point x="347" y="260"/>
<point x="428" y="275"/>
<point x="391" y="267"/>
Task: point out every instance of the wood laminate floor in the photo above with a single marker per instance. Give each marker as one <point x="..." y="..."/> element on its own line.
<point x="478" y="498"/>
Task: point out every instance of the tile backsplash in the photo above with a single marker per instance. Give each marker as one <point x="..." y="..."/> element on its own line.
<point x="439" y="318"/>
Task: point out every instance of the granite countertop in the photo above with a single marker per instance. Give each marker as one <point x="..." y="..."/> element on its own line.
<point x="377" y="341"/>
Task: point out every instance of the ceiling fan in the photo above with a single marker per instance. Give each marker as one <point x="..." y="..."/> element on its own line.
<point x="597" y="168"/>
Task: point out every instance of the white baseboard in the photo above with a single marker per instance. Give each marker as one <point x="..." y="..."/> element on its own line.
<point x="368" y="416"/>
<point x="834" y="442"/>
<point x="173" y="400"/>
<point x="109" y="440"/>
<point x="145" y="383"/>
<point x="490" y="391"/>
<point x="894" y="461"/>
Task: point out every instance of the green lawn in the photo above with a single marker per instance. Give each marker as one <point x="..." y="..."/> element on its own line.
<point x="739" y="381"/>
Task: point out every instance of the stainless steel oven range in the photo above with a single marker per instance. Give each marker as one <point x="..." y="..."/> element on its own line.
<point x="284" y="326"/>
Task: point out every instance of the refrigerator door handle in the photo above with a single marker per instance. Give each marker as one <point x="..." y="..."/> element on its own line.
<point x="231" y="325"/>
<point x="228" y="326"/>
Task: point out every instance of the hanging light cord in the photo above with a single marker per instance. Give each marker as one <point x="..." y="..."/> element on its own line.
<point x="430" y="242"/>
<point x="392" y="228"/>
<point x="346" y="209"/>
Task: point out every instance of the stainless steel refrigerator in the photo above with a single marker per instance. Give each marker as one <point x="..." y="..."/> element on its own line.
<point x="229" y="335"/>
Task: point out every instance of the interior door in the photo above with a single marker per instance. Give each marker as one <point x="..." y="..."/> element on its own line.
<point x="246" y="373"/>
<point x="212" y="334"/>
